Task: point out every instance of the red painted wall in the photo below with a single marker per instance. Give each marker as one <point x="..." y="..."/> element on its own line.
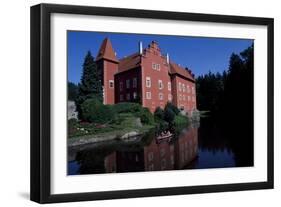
<point x="110" y="68"/>
<point x="151" y="56"/>
<point x="184" y="98"/>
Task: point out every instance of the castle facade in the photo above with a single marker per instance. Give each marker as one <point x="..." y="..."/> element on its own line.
<point x="147" y="77"/>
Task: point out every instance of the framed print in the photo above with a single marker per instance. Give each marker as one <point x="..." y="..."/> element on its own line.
<point x="132" y="103"/>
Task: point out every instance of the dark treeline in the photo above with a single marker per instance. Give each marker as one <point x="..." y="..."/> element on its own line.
<point x="229" y="98"/>
<point x="230" y="91"/>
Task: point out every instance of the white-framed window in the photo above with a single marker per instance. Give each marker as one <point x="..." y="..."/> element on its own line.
<point x="128" y="83"/>
<point x="128" y="97"/>
<point x="180" y="97"/>
<point x="170" y="97"/>
<point x="193" y="98"/>
<point x="135" y="95"/>
<point x="183" y="97"/>
<point x="160" y="96"/>
<point x="160" y="84"/>
<point x="121" y="97"/>
<point x="179" y="86"/>
<point x="169" y="86"/>
<point x="183" y="87"/>
<point x="148" y="95"/>
<point x="148" y="82"/>
<point x="188" y="89"/>
<point x="193" y="90"/>
<point x="156" y="66"/>
<point x="134" y="82"/>
<point x="111" y="84"/>
<point x="121" y="86"/>
<point x="188" y="98"/>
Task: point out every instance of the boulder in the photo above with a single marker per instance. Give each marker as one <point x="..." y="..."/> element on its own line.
<point x="130" y="134"/>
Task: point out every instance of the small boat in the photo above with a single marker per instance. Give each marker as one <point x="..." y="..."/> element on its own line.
<point x="164" y="136"/>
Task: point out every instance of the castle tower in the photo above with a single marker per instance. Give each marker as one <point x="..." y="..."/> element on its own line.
<point x="108" y="64"/>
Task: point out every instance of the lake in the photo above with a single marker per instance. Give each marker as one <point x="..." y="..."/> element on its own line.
<point x="199" y="146"/>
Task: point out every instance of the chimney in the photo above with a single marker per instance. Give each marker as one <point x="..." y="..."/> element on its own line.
<point x="140" y="47"/>
<point x="168" y="58"/>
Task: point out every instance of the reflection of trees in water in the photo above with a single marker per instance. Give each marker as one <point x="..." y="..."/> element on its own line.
<point x="91" y="161"/>
<point x="242" y="142"/>
<point x="216" y="135"/>
<point x="211" y="137"/>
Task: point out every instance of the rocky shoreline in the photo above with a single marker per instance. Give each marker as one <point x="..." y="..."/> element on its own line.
<point x="74" y="142"/>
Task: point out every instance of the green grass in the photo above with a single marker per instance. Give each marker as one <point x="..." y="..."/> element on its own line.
<point x="124" y="123"/>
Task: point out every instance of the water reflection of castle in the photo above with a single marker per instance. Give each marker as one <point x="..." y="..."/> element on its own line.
<point x="177" y="154"/>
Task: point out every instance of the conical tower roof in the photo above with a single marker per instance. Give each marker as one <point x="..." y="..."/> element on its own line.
<point x="106" y="51"/>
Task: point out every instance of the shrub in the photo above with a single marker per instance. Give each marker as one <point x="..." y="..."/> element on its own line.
<point x="169" y="115"/>
<point x="159" y="113"/>
<point x="181" y="120"/>
<point x="173" y="108"/>
<point x="146" y="116"/>
<point x="127" y="107"/>
<point x="163" y="126"/>
<point x="94" y="111"/>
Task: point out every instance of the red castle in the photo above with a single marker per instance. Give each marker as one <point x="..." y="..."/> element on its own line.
<point x="146" y="76"/>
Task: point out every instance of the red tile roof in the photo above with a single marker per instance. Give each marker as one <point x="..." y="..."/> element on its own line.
<point x="176" y="69"/>
<point x="129" y="62"/>
<point x="106" y="51"/>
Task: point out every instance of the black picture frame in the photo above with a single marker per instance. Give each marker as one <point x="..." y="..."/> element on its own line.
<point x="41" y="96"/>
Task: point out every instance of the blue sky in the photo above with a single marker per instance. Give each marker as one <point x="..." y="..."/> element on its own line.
<point x="200" y="54"/>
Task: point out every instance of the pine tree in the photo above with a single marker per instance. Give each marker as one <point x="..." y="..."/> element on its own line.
<point x="90" y="85"/>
